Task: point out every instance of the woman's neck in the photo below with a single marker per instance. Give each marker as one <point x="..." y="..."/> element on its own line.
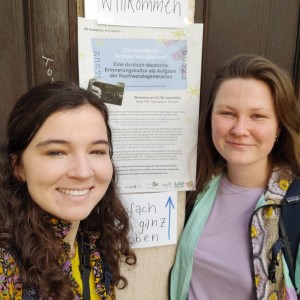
<point x="249" y="177"/>
<point x="71" y="237"/>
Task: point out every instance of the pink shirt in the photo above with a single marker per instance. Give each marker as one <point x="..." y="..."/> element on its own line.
<point x="221" y="264"/>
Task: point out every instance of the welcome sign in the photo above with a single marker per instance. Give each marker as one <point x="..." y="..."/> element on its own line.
<point x="143" y="13"/>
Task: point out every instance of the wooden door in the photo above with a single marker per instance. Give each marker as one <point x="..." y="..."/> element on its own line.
<point x="268" y="28"/>
<point x="13" y="67"/>
<point x="38" y="41"/>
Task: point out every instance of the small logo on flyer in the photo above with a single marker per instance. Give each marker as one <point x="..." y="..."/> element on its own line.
<point x="189" y="184"/>
<point x="179" y="184"/>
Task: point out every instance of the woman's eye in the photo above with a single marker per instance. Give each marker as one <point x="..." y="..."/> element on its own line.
<point x="227" y="113"/>
<point x="99" y="152"/>
<point x="55" y="153"/>
<point x="258" y="116"/>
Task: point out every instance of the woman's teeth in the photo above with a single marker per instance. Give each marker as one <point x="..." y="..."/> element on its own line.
<point x="74" y="192"/>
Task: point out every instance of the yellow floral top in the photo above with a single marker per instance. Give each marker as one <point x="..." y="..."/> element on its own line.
<point x="11" y="283"/>
<point x="76" y="274"/>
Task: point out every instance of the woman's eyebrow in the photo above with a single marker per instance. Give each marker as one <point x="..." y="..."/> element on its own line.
<point x="64" y="142"/>
<point x="100" y="142"/>
<point x="51" y="141"/>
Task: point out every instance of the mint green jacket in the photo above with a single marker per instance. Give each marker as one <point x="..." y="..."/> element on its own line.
<point x="182" y="270"/>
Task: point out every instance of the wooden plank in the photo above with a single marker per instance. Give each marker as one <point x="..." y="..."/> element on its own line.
<point x="13" y="69"/>
<point x="52" y="40"/>
<point x="268" y="28"/>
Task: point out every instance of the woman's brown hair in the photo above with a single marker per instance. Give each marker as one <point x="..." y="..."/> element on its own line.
<point x="24" y="228"/>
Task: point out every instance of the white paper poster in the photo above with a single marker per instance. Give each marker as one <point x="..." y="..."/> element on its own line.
<point x="150" y="80"/>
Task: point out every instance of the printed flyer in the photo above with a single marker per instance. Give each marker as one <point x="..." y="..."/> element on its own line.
<point x="150" y="81"/>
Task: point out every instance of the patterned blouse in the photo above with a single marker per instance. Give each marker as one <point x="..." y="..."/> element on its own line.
<point x="11" y="284"/>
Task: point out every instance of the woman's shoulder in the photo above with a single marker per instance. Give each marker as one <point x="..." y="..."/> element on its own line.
<point x="212" y="183"/>
<point x="10" y="282"/>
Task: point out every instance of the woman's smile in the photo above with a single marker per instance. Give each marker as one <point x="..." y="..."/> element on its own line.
<point x="74" y="192"/>
<point x="240" y="144"/>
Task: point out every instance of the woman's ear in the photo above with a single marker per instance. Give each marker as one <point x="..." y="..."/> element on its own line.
<point x="278" y="131"/>
<point x="18" y="169"/>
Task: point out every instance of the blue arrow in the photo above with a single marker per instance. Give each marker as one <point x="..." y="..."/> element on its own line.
<point x="170" y="204"/>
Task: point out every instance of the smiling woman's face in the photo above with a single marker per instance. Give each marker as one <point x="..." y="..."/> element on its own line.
<point x="244" y="123"/>
<point x="67" y="165"/>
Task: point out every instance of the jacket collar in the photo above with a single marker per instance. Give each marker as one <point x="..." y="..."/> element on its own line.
<point x="60" y="228"/>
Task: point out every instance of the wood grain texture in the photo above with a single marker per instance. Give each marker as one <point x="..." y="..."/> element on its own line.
<point x="51" y="27"/>
<point x="13" y="67"/>
<point x="268" y="28"/>
<point x="38" y="43"/>
<point x="296" y="69"/>
<point x="31" y="29"/>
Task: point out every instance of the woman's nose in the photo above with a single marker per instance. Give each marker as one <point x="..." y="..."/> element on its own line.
<point x="240" y="127"/>
<point x="81" y="167"/>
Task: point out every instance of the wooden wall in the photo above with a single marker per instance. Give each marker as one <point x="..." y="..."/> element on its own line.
<point x="268" y="28"/>
<point x="33" y="29"/>
<point x="38" y="41"/>
<point x="13" y="65"/>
